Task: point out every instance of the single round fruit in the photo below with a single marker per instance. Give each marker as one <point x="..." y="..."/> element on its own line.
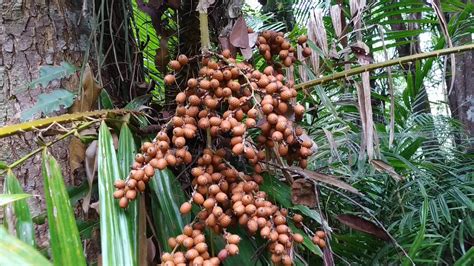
<point x="185" y="208"/>
<point x="302" y="39"/>
<point x="169" y="79"/>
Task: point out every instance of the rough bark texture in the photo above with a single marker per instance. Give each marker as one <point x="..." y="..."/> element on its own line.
<point x="461" y="98"/>
<point x="33" y="34"/>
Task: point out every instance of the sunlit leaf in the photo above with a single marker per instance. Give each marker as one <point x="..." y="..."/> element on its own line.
<point x="15" y="252"/>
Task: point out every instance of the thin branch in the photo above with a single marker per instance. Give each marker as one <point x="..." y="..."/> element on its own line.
<point x="46" y="145"/>
<point x="370" y="67"/>
<point x="41" y="123"/>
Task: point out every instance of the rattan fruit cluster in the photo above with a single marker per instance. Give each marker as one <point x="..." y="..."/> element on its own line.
<point x="241" y="114"/>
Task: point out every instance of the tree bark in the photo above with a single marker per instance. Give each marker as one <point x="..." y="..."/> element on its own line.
<point x="461" y="97"/>
<point x="33" y="34"/>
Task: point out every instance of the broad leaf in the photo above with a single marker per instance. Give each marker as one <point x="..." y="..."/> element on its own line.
<point x="64" y="237"/>
<point x="48" y="103"/>
<point x="15" y="252"/>
<point x="114" y="229"/>
<point x="24" y="223"/>
<point x="125" y="155"/>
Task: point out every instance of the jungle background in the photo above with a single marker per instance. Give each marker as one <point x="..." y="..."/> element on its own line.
<point x="400" y="134"/>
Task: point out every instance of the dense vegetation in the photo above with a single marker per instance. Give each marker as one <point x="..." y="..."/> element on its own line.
<point x="293" y="133"/>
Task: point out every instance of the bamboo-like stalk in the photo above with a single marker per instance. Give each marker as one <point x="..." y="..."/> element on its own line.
<point x="397" y="61"/>
<point x="204" y="28"/>
<point x="41" y="123"/>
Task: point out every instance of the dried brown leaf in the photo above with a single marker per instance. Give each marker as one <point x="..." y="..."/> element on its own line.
<point x="89" y="95"/>
<point x="91" y="168"/>
<point x="336" y="19"/>
<point x="151" y="251"/>
<point x="76" y="154"/>
<point x="386" y="168"/>
<point x="239" y="36"/>
<point x="363" y="225"/>
<point x="317" y="32"/>
<point x="328" y="179"/>
<point x="302" y="192"/>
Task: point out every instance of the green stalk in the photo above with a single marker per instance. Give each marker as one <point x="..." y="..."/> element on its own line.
<point x="397" y="61"/>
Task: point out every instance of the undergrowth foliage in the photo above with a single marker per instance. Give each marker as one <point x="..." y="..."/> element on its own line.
<point x="243" y="115"/>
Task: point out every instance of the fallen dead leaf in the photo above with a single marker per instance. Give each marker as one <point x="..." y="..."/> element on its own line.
<point x="302" y="192"/>
<point x="328" y="179"/>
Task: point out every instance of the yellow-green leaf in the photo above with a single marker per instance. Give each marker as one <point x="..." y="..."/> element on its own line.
<point x="15" y="252"/>
<point x="9" y="198"/>
<point x="65" y="241"/>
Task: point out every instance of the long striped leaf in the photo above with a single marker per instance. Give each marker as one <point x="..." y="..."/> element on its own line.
<point x="24" y="223"/>
<point x="65" y="241"/>
<point x="15" y="252"/>
<point x="115" y="240"/>
<point x="125" y="156"/>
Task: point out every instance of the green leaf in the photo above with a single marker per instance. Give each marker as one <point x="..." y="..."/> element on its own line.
<point x="125" y="155"/>
<point x="105" y="100"/>
<point x="138" y="102"/>
<point x="420" y="236"/>
<point x="24" y="222"/>
<point x="277" y="191"/>
<point x="49" y="102"/>
<point x="308" y="212"/>
<point x="15" y="252"/>
<point x="3" y="165"/>
<point x="49" y="73"/>
<point x="167" y="197"/>
<point x="466" y="259"/>
<point x="115" y="240"/>
<point x="64" y="237"/>
<point x="9" y="198"/>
